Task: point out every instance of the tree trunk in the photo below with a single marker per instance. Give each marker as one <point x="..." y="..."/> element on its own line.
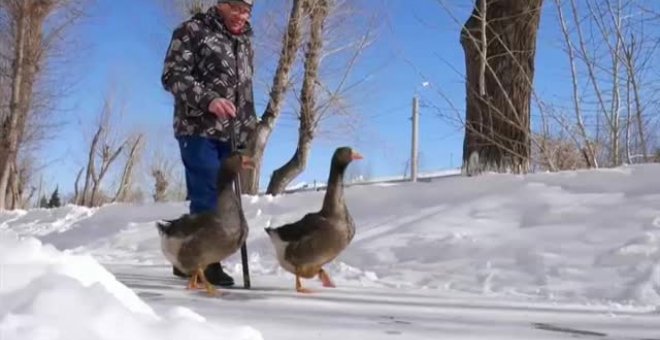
<point x="497" y="131"/>
<point x="127" y="174"/>
<point x="256" y="147"/>
<point x="90" y="172"/>
<point x="281" y="177"/>
<point x="291" y="169"/>
<point x="586" y="146"/>
<point x="28" y="18"/>
<point x="76" y="192"/>
<point x="10" y="141"/>
<point x="616" y="95"/>
<point x="631" y="68"/>
<point x="108" y="156"/>
<point x="12" y="190"/>
<point x="628" y="121"/>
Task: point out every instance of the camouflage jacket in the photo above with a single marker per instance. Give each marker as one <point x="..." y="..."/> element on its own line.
<point x="203" y="62"/>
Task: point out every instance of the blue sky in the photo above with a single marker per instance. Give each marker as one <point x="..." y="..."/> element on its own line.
<point x="125" y="41"/>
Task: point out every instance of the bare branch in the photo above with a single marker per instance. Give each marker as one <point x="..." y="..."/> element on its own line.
<point x="127" y="173"/>
<point x="592" y="160"/>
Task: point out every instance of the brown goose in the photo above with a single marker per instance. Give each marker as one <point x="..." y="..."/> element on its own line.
<point x="193" y="241"/>
<point x="305" y="246"/>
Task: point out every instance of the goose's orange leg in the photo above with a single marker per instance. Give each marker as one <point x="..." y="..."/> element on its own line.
<point x="210" y="289"/>
<point x="325" y="278"/>
<point x="299" y="287"/>
<point x="192" y="282"/>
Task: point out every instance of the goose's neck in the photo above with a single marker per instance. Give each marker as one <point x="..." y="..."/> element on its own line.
<point x="333" y="203"/>
<point x="225" y="186"/>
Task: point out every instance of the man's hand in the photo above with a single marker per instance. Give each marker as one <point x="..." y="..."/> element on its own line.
<point x="222" y="108"/>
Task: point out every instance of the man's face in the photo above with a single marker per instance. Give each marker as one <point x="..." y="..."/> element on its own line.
<point x="235" y="16"/>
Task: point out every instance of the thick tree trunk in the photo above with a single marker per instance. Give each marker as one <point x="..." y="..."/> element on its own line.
<point x="497" y="131"/>
<point x="10" y="127"/>
<point x="14" y="190"/>
<point x="257" y="145"/>
<point x="27" y="18"/>
<point x="296" y="165"/>
<point x="284" y="175"/>
<point x="281" y="177"/>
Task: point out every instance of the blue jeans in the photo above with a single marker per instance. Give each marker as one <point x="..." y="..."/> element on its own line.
<point x="201" y="159"/>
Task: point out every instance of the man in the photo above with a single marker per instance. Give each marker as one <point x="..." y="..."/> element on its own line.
<point x="208" y="69"/>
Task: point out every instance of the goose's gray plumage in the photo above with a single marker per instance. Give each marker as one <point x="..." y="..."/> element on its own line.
<point x="305" y="246"/>
<point x="193" y="241"/>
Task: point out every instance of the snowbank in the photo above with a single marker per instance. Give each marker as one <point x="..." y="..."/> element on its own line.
<point x="49" y="295"/>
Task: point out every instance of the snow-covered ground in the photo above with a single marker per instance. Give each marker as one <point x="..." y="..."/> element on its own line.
<point x="544" y="256"/>
<point x="423" y="176"/>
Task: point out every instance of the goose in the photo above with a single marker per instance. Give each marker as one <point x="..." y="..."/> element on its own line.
<point x="305" y="246"/>
<point x="193" y="241"/>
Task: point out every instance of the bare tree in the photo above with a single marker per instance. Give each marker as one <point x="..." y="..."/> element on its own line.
<point x="125" y="184"/>
<point x="160" y="185"/>
<point x="23" y="74"/>
<point x="615" y="60"/>
<point x="162" y="170"/>
<point x="31" y="38"/>
<point x="610" y="47"/>
<point x="105" y="147"/>
<point x="561" y="153"/>
<point x="589" y="151"/>
<point x="345" y="41"/>
<point x="318" y="12"/>
<point x="497" y="132"/>
<point x="291" y="42"/>
<point x="636" y="54"/>
<point x="319" y="101"/>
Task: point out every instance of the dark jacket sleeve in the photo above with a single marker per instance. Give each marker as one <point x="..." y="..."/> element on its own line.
<point x="177" y="76"/>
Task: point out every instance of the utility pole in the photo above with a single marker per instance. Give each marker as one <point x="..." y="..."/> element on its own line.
<point x="415" y="147"/>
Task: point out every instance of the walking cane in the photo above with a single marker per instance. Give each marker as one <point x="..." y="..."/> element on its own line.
<point x="237" y="188"/>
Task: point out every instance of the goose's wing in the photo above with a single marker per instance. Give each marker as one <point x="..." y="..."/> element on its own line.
<point x="310" y="240"/>
<point x="301" y="229"/>
<point x="184" y="226"/>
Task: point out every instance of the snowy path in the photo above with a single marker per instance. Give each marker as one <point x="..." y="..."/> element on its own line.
<point x="369" y="313"/>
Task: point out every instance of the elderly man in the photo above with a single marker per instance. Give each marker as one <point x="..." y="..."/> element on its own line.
<point x="208" y="70"/>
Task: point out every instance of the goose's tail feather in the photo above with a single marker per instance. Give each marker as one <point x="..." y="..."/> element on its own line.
<point x="163" y="226"/>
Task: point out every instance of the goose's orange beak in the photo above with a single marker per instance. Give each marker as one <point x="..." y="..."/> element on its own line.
<point x="356" y="155"/>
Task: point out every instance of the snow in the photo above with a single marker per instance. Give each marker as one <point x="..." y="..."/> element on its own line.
<point x="382" y="180"/>
<point x="543" y="256"/>
<point x="48" y="294"/>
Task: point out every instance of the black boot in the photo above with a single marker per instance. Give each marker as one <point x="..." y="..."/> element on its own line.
<point x="213" y="273"/>
<point x="217" y="276"/>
